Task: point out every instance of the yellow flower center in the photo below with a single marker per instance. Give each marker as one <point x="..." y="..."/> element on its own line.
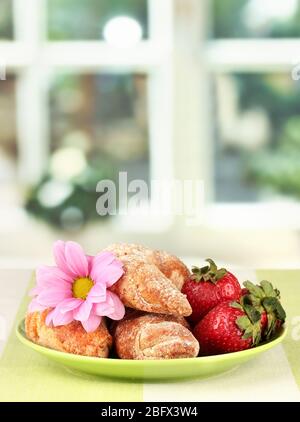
<point x="81" y="287"/>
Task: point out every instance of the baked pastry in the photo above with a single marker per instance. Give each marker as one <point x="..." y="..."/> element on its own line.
<point x="170" y="265"/>
<point x="154" y="336"/>
<point x="71" y="338"/>
<point x="152" y="280"/>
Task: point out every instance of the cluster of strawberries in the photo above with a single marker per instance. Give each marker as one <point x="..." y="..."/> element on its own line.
<point x="227" y="318"/>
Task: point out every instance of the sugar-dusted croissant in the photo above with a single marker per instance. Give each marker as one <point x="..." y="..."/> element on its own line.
<point x="170" y="266"/>
<point x="71" y="338"/>
<point x="154" y="336"/>
<point x="152" y="280"/>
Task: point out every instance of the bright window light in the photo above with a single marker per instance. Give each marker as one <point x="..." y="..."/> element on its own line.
<point x="122" y="32"/>
<point x="67" y="163"/>
<point x="53" y="193"/>
<point x="260" y="12"/>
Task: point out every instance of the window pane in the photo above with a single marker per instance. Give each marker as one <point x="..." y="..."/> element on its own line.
<point x="98" y="129"/>
<point x="85" y="20"/>
<point x="8" y="143"/>
<point x="6" y="26"/>
<point x="255" y="18"/>
<point x="257" y="136"/>
<point x="102" y="114"/>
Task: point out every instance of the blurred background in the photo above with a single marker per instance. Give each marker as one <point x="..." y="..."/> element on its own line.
<point x="189" y="89"/>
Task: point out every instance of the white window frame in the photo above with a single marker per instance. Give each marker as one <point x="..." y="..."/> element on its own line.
<point x="33" y="57"/>
<point x="252" y="55"/>
<point x="178" y="98"/>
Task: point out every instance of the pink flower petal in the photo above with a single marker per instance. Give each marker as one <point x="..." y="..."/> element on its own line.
<point x="107" y="275"/>
<point x="83" y="312"/>
<point x="119" y="308"/>
<point x="51" y="298"/>
<point x="115" y="274"/>
<point x="76" y="259"/>
<point x="47" y="272"/>
<point x="103" y="309"/>
<point x="104" y="259"/>
<point x="69" y="305"/>
<point x="62" y="318"/>
<point x="60" y="258"/>
<point x="112" y="307"/>
<point x="90" y="260"/>
<point x="97" y="293"/>
<point x="92" y="323"/>
<point x="53" y="283"/>
<point x="35" y="291"/>
<point x="49" y="317"/>
<point x="51" y="288"/>
<point x="35" y="306"/>
<point x="118" y="263"/>
<point x="54" y="287"/>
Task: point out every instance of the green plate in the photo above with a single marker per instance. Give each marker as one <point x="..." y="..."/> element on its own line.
<point x="151" y="370"/>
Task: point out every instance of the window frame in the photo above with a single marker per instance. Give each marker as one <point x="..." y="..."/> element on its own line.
<point x="255" y="55"/>
<point x="33" y="58"/>
<point x="177" y="59"/>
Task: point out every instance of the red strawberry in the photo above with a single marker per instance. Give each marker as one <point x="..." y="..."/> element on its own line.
<point x="229" y="327"/>
<point x="264" y="321"/>
<point x="244" y="292"/>
<point x="264" y="316"/>
<point x="267" y="300"/>
<point x="208" y="287"/>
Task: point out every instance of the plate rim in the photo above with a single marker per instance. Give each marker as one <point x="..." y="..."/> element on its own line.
<point x="19" y="331"/>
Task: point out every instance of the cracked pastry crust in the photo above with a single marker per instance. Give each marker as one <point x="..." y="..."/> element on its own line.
<point x="170" y="265"/>
<point x="153" y="336"/>
<point x="71" y="338"/>
<point x="152" y="280"/>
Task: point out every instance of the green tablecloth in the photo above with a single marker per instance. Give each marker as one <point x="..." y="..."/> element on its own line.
<point x="27" y="376"/>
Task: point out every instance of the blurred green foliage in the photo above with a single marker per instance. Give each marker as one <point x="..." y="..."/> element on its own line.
<point x="279" y="168"/>
<point x="276" y="94"/>
<point x="229" y="20"/>
<point x="6" y="21"/>
<point x="85" y="19"/>
<point x="276" y="166"/>
<point x="78" y="207"/>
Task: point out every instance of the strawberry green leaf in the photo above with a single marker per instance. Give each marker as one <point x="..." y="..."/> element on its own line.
<point x="212" y="265"/>
<point x="248" y="333"/>
<point x="208" y="273"/>
<point x="277" y="293"/>
<point x="256" y="336"/>
<point x="272" y="304"/>
<point x="243" y="323"/>
<point x="268" y="288"/>
<point x="264" y="297"/>
<point x="246" y="300"/>
<point x="253" y="289"/>
<point x="255" y="301"/>
<point x="252" y="313"/>
<point x="249" y="329"/>
<point x="236" y="305"/>
<point x="271" y="326"/>
<point x="280" y="312"/>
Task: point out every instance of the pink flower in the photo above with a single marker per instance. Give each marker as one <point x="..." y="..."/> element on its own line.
<point x="77" y="288"/>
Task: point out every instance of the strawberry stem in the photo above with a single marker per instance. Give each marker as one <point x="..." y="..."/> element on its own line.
<point x="249" y="324"/>
<point x="208" y="273"/>
<point x="266" y="299"/>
